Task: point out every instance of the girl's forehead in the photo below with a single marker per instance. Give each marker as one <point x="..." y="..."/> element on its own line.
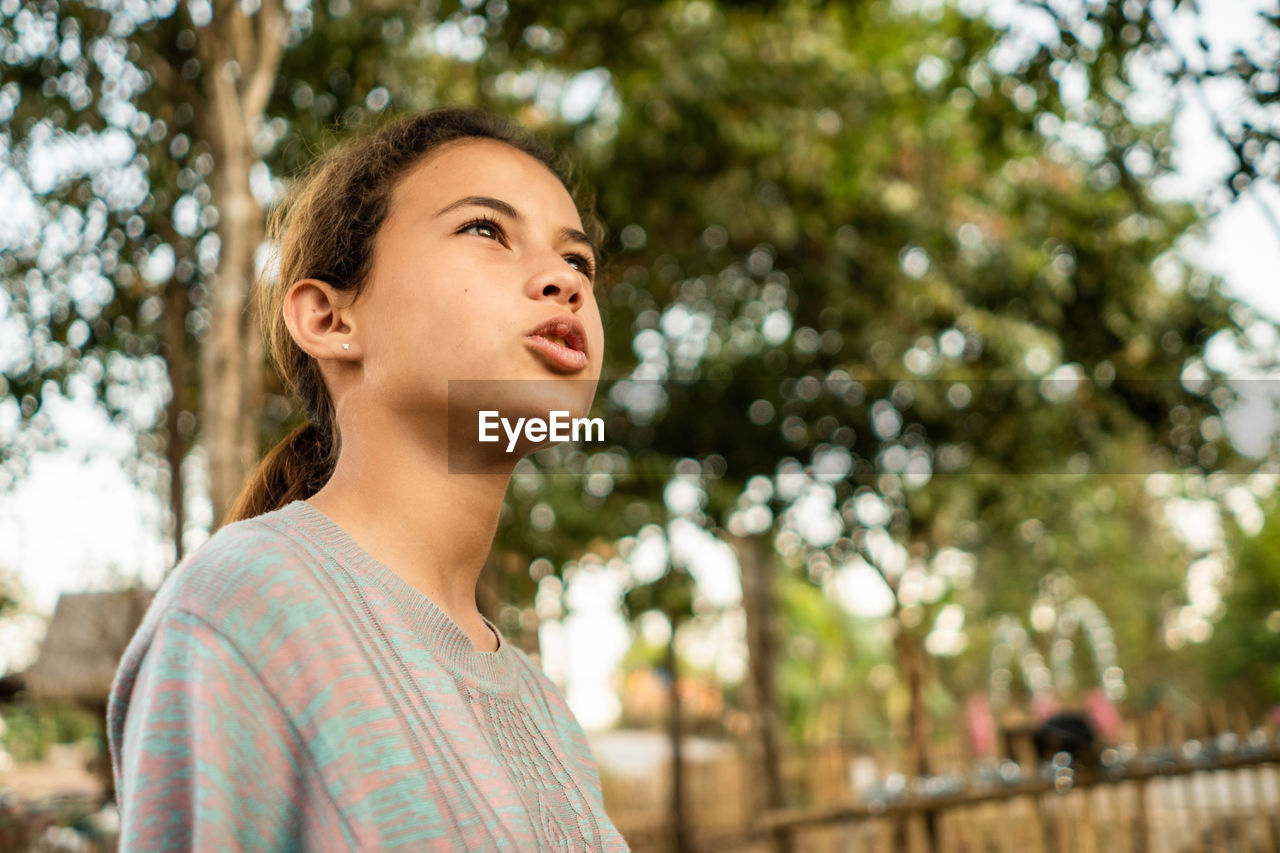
<point x="487" y="167"/>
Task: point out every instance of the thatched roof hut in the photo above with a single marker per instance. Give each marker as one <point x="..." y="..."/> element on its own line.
<point x="86" y="639"/>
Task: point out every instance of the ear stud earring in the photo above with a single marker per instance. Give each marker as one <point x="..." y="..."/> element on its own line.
<point x="346" y="346"/>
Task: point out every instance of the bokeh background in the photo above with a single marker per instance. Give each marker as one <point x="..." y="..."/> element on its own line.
<point x="938" y="505"/>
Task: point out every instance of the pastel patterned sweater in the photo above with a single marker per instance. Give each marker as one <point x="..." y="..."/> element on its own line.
<point x="286" y="691"/>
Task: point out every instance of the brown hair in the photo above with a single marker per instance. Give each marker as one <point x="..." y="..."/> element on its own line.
<point x="325" y="230"/>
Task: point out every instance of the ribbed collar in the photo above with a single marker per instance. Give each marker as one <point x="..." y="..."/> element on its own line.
<point x="492" y="672"/>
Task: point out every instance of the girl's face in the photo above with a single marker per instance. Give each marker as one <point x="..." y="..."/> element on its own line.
<point x="481" y="271"/>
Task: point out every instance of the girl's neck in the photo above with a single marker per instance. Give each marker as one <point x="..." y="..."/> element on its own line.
<point x="397" y="499"/>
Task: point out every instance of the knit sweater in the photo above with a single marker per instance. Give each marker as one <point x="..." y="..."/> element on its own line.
<point x="286" y="691"/>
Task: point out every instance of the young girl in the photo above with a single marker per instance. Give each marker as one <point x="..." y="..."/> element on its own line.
<point x="318" y="676"/>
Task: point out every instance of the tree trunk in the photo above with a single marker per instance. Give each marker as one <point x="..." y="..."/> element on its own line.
<point x="241" y="56"/>
<point x="178" y="367"/>
<point x="911" y="664"/>
<point x="675" y="729"/>
<point x="755" y="558"/>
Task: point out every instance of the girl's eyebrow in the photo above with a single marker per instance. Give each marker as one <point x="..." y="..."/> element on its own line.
<point x="573" y="235"/>
<point x="495" y="204"/>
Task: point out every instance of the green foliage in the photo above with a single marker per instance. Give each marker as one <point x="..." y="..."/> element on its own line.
<point x="824" y="666"/>
<point x="29" y="728"/>
<point x="112" y="154"/>
<point x="1243" y="658"/>
<point x="11" y="593"/>
<point x="671" y="595"/>
<point x="917" y="240"/>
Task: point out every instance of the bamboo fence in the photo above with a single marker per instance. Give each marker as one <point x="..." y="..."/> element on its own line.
<point x="1168" y="787"/>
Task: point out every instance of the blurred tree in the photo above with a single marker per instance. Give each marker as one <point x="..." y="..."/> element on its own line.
<point x="1243" y="658"/>
<point x="672" y="596"/>
<point x="141" y="144"/>
<point x="11" y="592"/>
<point x="825" y="668"/>
<point x="929" y="270"/>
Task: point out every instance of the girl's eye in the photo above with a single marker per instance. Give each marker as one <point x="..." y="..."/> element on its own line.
<point x="483" y="228"/>
<point x="582" y="264"/>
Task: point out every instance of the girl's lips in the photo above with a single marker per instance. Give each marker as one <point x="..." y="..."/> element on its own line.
<point x="557" y="354"/>
<point x="561" y="341"/>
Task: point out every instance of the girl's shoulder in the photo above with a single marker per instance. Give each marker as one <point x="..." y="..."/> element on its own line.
<point x="252" y="581"/>
<point x="260" y="591"/>
<point x="249" y="564"/>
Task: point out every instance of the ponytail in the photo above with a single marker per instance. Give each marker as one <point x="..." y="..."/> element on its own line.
<point x="294" y="470"/>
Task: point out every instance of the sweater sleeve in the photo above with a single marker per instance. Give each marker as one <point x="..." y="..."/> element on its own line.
<point x="207" y="760"/>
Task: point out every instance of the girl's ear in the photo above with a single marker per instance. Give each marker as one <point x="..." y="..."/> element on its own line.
<point x="320" y="321"/>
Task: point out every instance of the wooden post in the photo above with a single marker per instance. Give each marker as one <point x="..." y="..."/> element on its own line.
<point x="1087" y="831"/>
<point x="1118" y="826"/>
<point x="1060" y="805"/>
<point x="1217" y="833"/>
<point x="1270" y="833"/>
<point x="912" y="664"/>
<point x="679" y="816"/>
<point x="1022" y="749"/>
<point x="756" y="563"/>
<point x="1148" y="738"/>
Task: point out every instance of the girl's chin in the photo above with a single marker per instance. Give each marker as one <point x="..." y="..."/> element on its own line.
<point x="535" y="397"/>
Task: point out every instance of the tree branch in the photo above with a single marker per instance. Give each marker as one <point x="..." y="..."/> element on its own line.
<point x="243" y="42"/>
<point x="270" y="38"/>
